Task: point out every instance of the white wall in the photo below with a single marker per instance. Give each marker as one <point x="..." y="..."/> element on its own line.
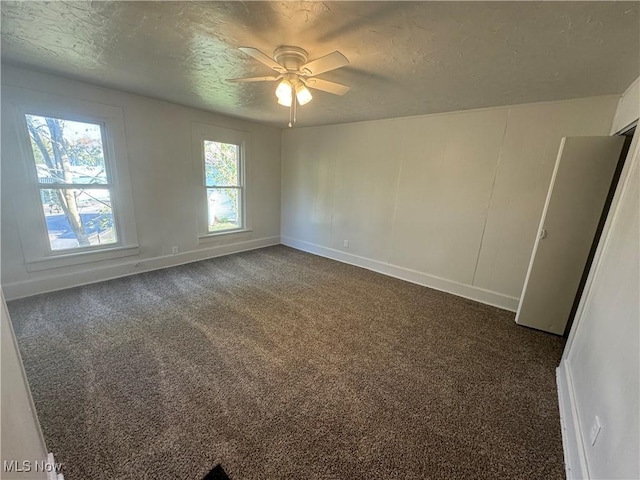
<point x="600" y="370"/>
<point x="158" y="136"/>
<point x="451" y="201"/>
<point x="21" y="436"/>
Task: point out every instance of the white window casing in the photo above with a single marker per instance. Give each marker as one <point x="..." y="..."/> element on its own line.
<point x="204" y="132"/>
<point x="25" y="190"/>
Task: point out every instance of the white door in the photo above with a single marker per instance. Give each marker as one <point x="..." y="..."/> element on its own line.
<point x="577" y="194"/>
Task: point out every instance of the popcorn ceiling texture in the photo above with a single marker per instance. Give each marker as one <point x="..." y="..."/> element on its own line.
<point x="407" y="58"/>
<point x="279" y="364"/>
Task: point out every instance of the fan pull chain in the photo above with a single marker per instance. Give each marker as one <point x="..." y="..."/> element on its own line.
<point x="295" y="108"/>
<point x="291" y="110"/>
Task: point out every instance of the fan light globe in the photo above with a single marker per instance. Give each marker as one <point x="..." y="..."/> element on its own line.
<point x="283" y="92"/>
<point x="303" y="94"/>
<point x="285" y="102"/>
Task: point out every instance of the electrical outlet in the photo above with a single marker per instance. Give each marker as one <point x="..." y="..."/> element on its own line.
<point x="346" y="244"/>
<point x="595" y="430"/>
<point x="174" y="249"/>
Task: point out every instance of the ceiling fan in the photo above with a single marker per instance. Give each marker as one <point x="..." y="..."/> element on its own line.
<point x="295" y="74"/>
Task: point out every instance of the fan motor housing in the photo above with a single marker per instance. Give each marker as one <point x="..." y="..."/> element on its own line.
<point x="291" y="58"/>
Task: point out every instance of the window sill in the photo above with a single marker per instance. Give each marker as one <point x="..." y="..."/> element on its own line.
<point x="211" y="237"/>
<point x="78" y="258"/>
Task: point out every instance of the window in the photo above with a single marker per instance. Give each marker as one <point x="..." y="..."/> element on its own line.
<point x="70" y="191"/>
<point x="223" y="186"/>
<point x="219" y="156"/>
<point x="73" y="181"/>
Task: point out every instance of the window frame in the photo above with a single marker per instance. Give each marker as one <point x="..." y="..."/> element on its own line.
<point x="200" y="134"/>
<point x="108" y="166"/>
<point x="33" y="232"/>
<point x="239" y="186"/>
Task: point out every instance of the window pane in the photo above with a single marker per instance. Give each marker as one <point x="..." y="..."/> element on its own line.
<point x="221" y="164"/>
<point x="224" y="209"/>
<point x="78" y="218"/>
<point x="66" y="151"/>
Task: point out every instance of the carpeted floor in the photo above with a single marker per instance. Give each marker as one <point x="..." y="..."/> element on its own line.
<point x="278" y="364"/>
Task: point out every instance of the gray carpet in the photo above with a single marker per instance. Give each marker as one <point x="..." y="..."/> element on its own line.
<point x="278" y="364"/>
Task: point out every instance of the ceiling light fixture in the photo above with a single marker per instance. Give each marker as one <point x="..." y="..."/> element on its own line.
<point x="295" y="74"/>
<point x="291" y="92"/>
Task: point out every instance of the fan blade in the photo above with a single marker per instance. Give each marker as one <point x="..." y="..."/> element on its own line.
<point x="326" y="86"/>
<point x="254" y="79"/>
<point x="324" y="64"/>
<point x="262" y="58"/>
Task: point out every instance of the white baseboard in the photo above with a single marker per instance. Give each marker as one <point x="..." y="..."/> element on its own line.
<point x="462" y="290"/>
<point x="132" y="266"/>
<point x="575" y="459"/>
<point x="93" y="273"/>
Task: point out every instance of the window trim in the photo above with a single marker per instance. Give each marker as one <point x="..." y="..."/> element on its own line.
<point x="203" y="132"/>
<point x="33" y="232"/>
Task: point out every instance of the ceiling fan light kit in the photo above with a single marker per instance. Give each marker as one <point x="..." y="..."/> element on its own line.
<point x="296" y="74"/>
<point x="286" y="89"/>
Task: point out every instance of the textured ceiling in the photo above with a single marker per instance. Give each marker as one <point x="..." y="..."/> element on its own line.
<point x="407" y="58"/>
